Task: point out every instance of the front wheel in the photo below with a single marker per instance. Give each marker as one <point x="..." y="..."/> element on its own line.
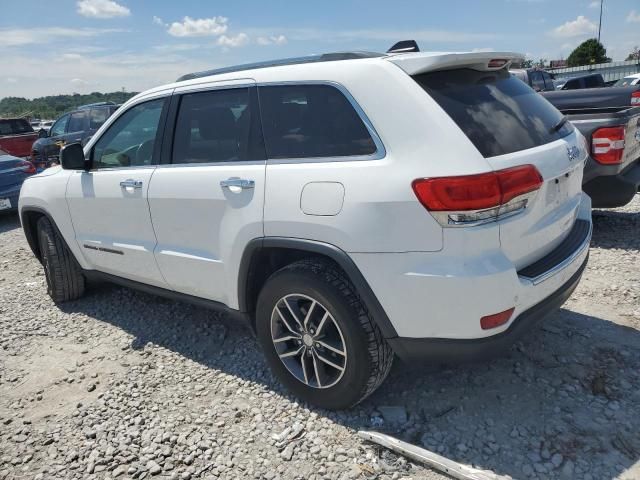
<point x="318" y="337"/>
<point x="64" y="277"/>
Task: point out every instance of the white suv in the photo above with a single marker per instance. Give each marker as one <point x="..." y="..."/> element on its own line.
<point x="351" y="207"/>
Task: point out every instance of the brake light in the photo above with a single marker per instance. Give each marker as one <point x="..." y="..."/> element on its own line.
<point x="635" y="99"/>
<point x="26" y="167"/>
<point x="495" y="320"/>
<point x="607" y="145"/>
<point x="479" y="198"/>
<point x="497" y="63"/>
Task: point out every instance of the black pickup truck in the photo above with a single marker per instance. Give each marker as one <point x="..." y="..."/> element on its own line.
<point x="609" y="118"/>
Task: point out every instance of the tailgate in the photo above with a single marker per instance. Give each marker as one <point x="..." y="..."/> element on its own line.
<point x="549" y="217"/>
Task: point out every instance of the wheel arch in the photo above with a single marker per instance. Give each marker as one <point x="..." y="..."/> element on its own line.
<point x="263" y="256"/>
<point x="29" y="217"/>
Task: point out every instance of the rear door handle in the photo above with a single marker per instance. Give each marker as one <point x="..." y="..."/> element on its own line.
<point x="131" y="183"/>
<point x="240" y="183"/>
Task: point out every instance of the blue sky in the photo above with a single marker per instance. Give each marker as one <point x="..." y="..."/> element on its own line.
<point x="65" y="46"/>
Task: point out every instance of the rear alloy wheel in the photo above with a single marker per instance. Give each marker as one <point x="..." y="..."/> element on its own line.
<point x="308" y="341"/>
<point x="318" y="337"/>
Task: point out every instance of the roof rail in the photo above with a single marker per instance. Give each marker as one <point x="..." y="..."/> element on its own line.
<point x="97" y="104"/>
<point x="324" y="57"/>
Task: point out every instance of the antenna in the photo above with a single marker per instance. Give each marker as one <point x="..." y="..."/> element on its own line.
<point x="600" y="24"/>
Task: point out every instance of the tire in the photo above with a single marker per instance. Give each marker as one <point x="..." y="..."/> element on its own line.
<point x="348" y="328"/>
<point x="65" y="281"/>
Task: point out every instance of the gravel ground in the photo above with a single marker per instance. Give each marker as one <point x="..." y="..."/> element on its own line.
<point x="125" y="385"/>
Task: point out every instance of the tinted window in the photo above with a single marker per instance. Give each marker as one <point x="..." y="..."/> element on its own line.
<point x="60" y="127"/>
<point x="130" y="140"/>
<point x="548" y="81"/>
<point x="97" y="116"/>
<point x="625" y="82"/>
<point x="537" y="81"/>
<point x="306" y="121"/>
<point x="14" y="127"/>
<point x="498" y="113"/>
<point x="592" y="82"/>
<point x="76" y="122"/>
<point x="215" y="126"/>
<point x="574" y="84"/>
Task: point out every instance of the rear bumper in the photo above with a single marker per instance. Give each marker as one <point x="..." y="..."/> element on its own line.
<point x="446" y="350"/>
<point x="12" y="193"/>
<point x="609" y="187"/>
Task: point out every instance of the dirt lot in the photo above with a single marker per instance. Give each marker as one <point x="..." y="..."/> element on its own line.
<point x="125" y="385"/>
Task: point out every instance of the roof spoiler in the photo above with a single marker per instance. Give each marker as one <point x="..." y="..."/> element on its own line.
<point x="404" y="46"/>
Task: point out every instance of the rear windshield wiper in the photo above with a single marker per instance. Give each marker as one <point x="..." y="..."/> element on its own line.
<point x="559" y="125"/>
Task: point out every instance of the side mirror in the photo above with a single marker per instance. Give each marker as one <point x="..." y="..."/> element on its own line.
<point x="72" y="157"/>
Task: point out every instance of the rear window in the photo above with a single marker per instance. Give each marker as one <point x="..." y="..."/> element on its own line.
<point x="14" y="126"/>
<point x="310" y="121"/>
<point x="496" y="111"/>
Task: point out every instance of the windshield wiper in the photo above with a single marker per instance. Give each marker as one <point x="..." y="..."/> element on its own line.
<point x="559" y="125"/>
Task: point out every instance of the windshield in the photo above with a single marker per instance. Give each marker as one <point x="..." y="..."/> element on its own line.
<point x="497" y="112"/>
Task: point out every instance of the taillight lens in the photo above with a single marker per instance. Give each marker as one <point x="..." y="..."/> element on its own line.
<point x="497" y="63"/>
<point x="635" y="99"/>
<point x="607" y="145"/>
<point x="477" y="198"/>
<point x="27" y="167"/>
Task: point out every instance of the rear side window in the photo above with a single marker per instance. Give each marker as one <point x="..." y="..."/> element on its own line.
<point x="497" y="112"/>
<point x="97" y="116"/>
<point x="311" y="121"/>
<point x="575" y="84"/>
<point x="14" y="127"/>
<point x="592" y="82"/>
<point x="76" y="122"/>
<point x="217" y="126"/>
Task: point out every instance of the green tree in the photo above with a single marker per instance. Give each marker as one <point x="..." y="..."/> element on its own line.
<point x="588" y="52"/>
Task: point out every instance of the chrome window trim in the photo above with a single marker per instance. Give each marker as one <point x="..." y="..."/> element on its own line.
<point x="380" y="152"/>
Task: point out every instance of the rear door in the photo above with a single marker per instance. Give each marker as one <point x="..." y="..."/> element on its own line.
<point x="108" y="205"/>
<point x="207" y="197"/>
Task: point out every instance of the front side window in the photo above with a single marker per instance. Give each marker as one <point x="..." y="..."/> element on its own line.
<point x="130" y="140"/>
<point x="76" y="122"/>
<point x="311" y="121"/>
<point x="214" y="126"/>
<point x="60" y="127"/>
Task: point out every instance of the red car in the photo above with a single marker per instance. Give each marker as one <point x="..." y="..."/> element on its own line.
<point x="16" y="136"/>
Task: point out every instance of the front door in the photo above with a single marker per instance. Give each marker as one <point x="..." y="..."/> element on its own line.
<point x="207" y="203"/>
<point x="108" y="204"/>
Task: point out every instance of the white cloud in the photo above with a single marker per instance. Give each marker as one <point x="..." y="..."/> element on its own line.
<point x="575" y="28"/>
<point x="159" y="21"/>
<point x="14" y="37"/>
<point x="199" y="27"/>
<point x="272" y="40"/>
<point x="11" y="80"/>
<point x="234" y="41"/>
<point x="595" y="4"/>
<point x="79" y="82"/>
<point x="633" y="17"/>
<point x="71" y="56"/>
<point x="102" y="9"/>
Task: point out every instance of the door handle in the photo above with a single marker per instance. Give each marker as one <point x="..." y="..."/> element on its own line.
<point x="240" y="183"/>
<point x="131" y="183"/>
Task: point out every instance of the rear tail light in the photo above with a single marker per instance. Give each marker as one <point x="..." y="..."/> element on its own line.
<point x="635" y="99"/>
<point x="26" y="167"/>
<point x="607" y="145"/>
<point x="496" y="320"/>
<point x="474" y="199"/>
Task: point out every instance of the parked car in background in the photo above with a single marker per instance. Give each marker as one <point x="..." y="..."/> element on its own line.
<point x="13" y="172"/>
<point x="44" y="127"/>
<point x="76" y="126"/>
<point x="628" y="81"/>
<point x="16" y="136"/>
<point x="609" y="118"/>
<point x="593" y="80"/>
<point x="538" y="79"/>
<point x="286" y="195"/>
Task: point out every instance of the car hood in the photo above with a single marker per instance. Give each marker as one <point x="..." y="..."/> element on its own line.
<point x="48" y="172"/>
